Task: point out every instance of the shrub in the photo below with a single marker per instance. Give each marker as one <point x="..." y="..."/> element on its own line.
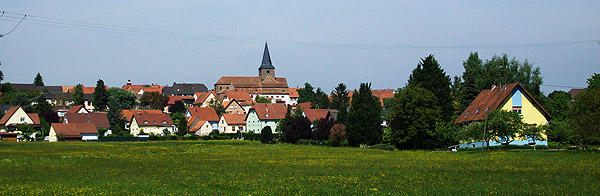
<point x="299" y="128"/>
<point x="337" y="134"/>
<point x="329" y="142"/>
<point x="266" y="135"/>
<point x="306" y="142"/>
<point x="383" y="147"/>
<point x="165" y="132"/>
<point x="323" y="127"/>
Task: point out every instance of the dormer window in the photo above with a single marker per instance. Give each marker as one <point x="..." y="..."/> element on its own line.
<point x="467" y="114"/>
<point x="154" y="122"/>
<point x="164" y="122"/>
<point x="486" y="110"/>
<point x="145" y="122"/>
<point x="476" y="111"/>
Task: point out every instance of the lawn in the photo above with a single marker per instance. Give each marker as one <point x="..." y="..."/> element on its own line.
<point x="250" y="168"/>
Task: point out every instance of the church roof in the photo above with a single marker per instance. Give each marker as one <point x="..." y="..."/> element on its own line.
<point x="251" y="82"/>
<point x="266" y="60"/>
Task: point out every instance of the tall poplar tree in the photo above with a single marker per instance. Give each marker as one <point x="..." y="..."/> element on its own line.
<point x="78" y="98"/>
<point x="100" y="97"/>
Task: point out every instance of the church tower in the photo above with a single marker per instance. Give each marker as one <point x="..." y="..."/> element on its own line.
<point x="266" y="68"/>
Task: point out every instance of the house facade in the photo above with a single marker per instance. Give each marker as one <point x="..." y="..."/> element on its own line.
<point x="16" y="116"/>
<point x="264" y="114"/>
<point x="151" y="124"/>
<point x="511" y="97"/>
<point x="233" y="107"/>
<point x="232" y="123"/>
<point x="203" y="99"/>
<point x="73" y="131"/>
<point x="197" y="114"/>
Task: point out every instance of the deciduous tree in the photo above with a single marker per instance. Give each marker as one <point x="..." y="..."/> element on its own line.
<point x="505" y="126"/>
<point x="155" y="100"/>
<point x="585" y="113"/>
<point x="323" y="127"/>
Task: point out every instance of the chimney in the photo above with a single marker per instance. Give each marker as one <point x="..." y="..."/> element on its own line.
<point x="129" y="82"/>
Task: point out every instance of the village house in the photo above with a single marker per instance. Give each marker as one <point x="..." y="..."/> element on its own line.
<point x="232" y="123"/>
<point x="73" y="132"/>
<point x="264" y="114"/>
<point x="200" y="127"/>
<point x="184" y="89"/>
<point x="156" y="124"/>
<point x="187" y="101"/>
<point x="16" y="116"/>
<point x="99" y="119"/>
<point x="511" y="97"/>
<point x="129" y="113"/>
<point x="203" y="99"/>
<point x="264" y="85"/>
<point x="233" y="107"/>
<point x="294" y="96"/>
<point x="315" y="114"/>
<point x="195" y="115"/>
<point x="139" y="90"/>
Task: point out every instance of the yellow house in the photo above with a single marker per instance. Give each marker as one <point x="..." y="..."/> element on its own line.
<point x="17" y="116"/>
<point x="511" y="97"/>
<point x="233" y="107"/>
<point x="151" y="124"/>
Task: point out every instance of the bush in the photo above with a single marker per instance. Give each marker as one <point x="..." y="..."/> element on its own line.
<point x="306" y="142"/>
<point x="329" y="142"/>
<point x="382" y="147"/>
<point x="338" y="134"/>
<point x="266" y="135"/>
<point x="251" y="136"/>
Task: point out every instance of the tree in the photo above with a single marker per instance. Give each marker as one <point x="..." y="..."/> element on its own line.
<point x="100" y="96"/>
<point x="558" y="105"/>
<point x="283" y="123"/>
<point x="62" y="99"/>
<point x="594" y="81"/>
<point x="155" y="100"/>
<point x="298" y="129"/>
<point x="38" y="81"/>
<point x="560" y="131"/>
<point x="473" y="131"/>
<point x="178" y="107"/>
<point x="323" y="127"/>
<point x="339" y="97"/>
<point x="218" y="106"/>
<point x="505" y="126"/>
<point x="182" y="126"/>
<point x="26" y="131"/>
<point x="413" y="114"/>
<point x="306" y="94"/>
<point x="42" y="105"/>
<point x="260" y="99"/>
<point x="337" y="134"/>
<point x="78" y="98"/>
<point x="364" y="118"/>
<point x="320" y="100"/>
<point x="533" y="132"/>
<point x="430" y="75"/>
<point x="585" y="115"/>
<point x="24" y="101"/>
<point x="469" y="89"/>
<point x="444" y="134"/>
<point x="266" y="135"/>
<point x="119" y="98"/>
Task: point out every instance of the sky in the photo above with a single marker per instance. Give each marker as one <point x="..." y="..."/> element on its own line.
<point x="320" y="42"/>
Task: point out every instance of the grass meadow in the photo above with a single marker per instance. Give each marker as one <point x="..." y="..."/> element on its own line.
<point x="251" y="168"/>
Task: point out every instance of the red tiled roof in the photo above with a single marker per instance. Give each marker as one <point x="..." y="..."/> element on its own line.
<point x="294" y="92"/>
<point x="574" y="91"/>
<point x="34" y="117"/>
<point x="197" y="126"/>
<point x="201" y="97"/>
<point x="173" y="99"/>
<point x="305" y="105"/>
<point x="161" y="119"/>
<point x="493" y="99"/>
<point x="246" y="103"/>
<point x="207" y="113"/>
<point x="8" y="114"/>
<point x="99" y="119"/>
<point x="147" y="88"/>
<point x="235" y="119"/>
<point x="76" y="108"/>
<point x="74" y="129"/>
<point x="314" y="114"/>
<point x="270" y="111"/>
<point x="128" y="113"/>
<point x="237" y="95"/>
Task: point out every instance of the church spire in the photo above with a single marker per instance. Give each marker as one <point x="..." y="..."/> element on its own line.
<point x="266" y="60"/>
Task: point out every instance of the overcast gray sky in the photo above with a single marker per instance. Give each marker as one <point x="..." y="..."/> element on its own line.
<point x="320" y="42"/>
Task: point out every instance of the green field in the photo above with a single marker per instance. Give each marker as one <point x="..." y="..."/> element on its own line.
<point x="250" y="168"/>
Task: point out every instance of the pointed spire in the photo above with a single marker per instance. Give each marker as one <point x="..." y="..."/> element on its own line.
<point x="266" y="60"/>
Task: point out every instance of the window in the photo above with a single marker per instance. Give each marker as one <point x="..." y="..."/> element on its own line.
<point x="486" y="110"/>
<point x="476" y="111"/>
<point x="518" y="111"/>
<point x="467" y="113"/>
<point x="164" y="122"/>
<point x="145" y="122"/>
<point x="22" y="119"/>
<point x="268" y="71"/>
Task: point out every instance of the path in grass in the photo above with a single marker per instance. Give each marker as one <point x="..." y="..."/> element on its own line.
<point x="251" y="168"/>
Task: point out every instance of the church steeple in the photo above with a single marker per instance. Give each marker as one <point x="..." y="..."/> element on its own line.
<point x="266" y="68"/>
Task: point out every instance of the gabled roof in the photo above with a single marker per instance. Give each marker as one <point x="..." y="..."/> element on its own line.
<point x="235" y="119"/>
<point x="305" y="105"/>
<point x="269" y="111"/>
<point x="238" y="95"/>
<point x="574" y="91"/>
<point x="128" y="113"/>
<point x="99" y="119"/>
<point x="153" y="119"/>
<point x="135" y="89"/>
<point x="53" y="89"/>
<point x="489" y="100"/>
<point x="314" y="114"/>
<point x="251" y="82"/>
<point x="266" y="60"/>
<point x="201" y="97"/>
<point x="226" y="104"/>
<point x="76" y="109"/>
<point x="294" y="92"/>
<point x="185" y="88"/>
<point x="197" y="126"/>
<point x="29" y="87"/>
<point x="203" y="113"/>
<point x="33" y="116"/>
<point x="74" y="129"/>
<point x="173" y="99"/>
